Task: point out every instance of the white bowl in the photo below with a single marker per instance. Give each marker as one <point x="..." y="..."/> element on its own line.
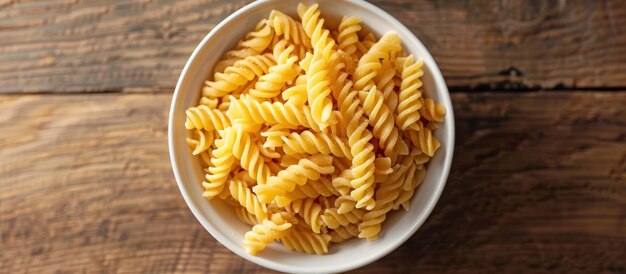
<point x="219" y="219"/>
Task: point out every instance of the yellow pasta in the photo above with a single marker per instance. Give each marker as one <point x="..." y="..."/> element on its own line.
<point x="254" y="43"/>
<point x="289" y="28"/>
<point x="238" y="75"/>
<point x="244" y="196"/>
<point x="304" y="241"/>
<point x="245" y="216"/>
<point x="285" y="70"/>
<point x="409" y="96"/>
<point x="343" y="233"/>
<point x="348" y="34"/>
<point x="240" y="142"/>
<point x="264" y="233"/>
<point x="333" y="219"/>
<point x="313" y="143"/>
<point x="381" y="118"/>
<point x="314" y="135"/>
<point x="202" y="142"/>
<point x="309" y="210"/>
<point x="222" y="163"/>
<point x="297" y="94"/>
<point x="202" y="117"/>
<point x="285" y="181"/>
<point x="370" y="63"/>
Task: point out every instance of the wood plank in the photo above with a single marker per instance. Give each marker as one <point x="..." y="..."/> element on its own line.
<point x="141" y="46"/>
<point x="538" y="185"/>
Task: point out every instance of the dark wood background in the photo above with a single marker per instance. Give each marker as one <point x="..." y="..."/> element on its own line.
<point x="538" y="182"/>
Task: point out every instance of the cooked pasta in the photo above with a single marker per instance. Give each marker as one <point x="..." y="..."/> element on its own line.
<point x="314" y="134"/>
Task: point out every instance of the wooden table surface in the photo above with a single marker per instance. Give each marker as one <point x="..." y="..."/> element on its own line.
<point x="537" y="185"/>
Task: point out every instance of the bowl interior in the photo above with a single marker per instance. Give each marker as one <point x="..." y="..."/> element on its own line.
<point x="219" y="218"/>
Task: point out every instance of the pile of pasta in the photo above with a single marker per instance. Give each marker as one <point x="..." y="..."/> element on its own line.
<point x="313" y="135"/>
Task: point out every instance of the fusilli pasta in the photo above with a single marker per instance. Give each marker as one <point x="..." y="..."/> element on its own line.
<point x="313" y="134"/>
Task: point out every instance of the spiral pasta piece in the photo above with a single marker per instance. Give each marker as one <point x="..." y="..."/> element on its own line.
<point x="203" y="141"/>
<point x="291" y="30"/>
<point x="245" y="216"/>
<point x="381" y="119"/>
<point x="313" y="26"/>
<point x="367" y="41"/>
<point x="408" y="113"/>
<point x="274" y="136"/>
<point x="264" y="233"/>
<point x="297" y="94"/>
<point x="308" y="142"/>
<point x="209" y="102"/>
<point x="318" y="88"/>
<point x="304" y="241"/>
<point x="269" y="153"/>
<point x="343" y="233"/>
<point x="317" y="65"/>
<point x="348" y="37"/>
<point x="285" y="70"/>
<point x="309" y="210"/>
<point x="362" y="169"/>
<point x="244" y="149"/>
<point x="285" y="181"/>
<point x="326" y="202"/>
<point x="244" y="196"/>
<point x="312" y="189"/>
<point x="362" y="162"/>
<point x="253" y="43"/>
<point x="333" y="219"/>
<point x="222" y="163"/>
<point x="249" y="110"/>
<point x="370" y="64"/>
<point x="238" y="75"/>
<point x="389" y="191"/>
<point x="423" y="139"/>
<point x="432" y="111"/>
<point x="385" y="83"/>
<point x="414" y="179"/>
<point x="205" y="158"/>
<point x="202" y="117"/>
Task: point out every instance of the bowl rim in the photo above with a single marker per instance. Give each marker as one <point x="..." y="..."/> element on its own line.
<point x="443" y="93"/>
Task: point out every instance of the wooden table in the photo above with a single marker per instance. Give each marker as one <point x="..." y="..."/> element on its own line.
<point x="538" y="181"/>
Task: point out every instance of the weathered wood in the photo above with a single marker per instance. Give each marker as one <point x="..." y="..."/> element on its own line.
<point x="141" y="46"/>
<point x="537" y="186"/>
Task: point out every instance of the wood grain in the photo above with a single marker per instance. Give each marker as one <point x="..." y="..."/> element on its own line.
<point x="86" y="186"/>
<point x="141" y="46"/>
